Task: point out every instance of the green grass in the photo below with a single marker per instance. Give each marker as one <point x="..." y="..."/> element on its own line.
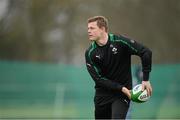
<point x="70" y="110"/>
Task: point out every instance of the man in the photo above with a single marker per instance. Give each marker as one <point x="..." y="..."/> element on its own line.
<point x="108" y="61"/>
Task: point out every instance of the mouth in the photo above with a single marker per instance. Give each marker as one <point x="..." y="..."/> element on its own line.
<point x="90" y="35"/>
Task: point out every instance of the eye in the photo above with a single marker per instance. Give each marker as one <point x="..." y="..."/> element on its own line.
<point x="90" y="28"/>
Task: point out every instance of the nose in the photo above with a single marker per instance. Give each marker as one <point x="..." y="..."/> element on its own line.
<point x="89" y="31"/>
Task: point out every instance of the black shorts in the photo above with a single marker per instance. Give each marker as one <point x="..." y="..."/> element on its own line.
<point x="116" y="109"/>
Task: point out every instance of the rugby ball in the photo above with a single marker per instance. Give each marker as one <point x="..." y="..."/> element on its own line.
<point x="139" y="96"/>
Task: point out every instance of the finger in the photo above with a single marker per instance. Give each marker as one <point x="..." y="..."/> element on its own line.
<point x="143" y="87"/>
<point x="129" y="95"/>
<point x="150" y="91"/>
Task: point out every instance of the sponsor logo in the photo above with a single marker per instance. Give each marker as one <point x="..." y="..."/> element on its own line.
<point x="98" y="56"/>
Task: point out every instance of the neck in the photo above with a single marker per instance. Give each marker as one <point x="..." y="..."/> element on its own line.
<point x="103" y="40"/>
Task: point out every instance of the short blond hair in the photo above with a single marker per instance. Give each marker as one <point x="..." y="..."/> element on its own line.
<point x="101" y="21"/>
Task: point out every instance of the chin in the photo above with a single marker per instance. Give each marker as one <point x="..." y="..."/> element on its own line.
<point x="91" y="39"/>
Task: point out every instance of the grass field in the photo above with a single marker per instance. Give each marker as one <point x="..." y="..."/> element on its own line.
<point x="70" y="110"/>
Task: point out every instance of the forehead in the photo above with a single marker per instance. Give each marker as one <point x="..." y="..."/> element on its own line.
<point x="92" y="24"/>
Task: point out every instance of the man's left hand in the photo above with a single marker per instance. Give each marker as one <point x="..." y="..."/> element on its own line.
<point x="147" y="85"/>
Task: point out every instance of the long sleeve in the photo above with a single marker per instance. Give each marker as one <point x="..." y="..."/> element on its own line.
<point x="143" y="52"/>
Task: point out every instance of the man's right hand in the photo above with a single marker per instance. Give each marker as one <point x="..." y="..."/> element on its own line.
<point x="126" y="92"/>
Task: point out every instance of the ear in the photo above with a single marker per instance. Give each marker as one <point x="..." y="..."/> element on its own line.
<point x="103" y="29"/>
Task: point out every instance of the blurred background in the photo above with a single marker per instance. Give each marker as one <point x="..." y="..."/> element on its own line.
<point x="42" y="65"/>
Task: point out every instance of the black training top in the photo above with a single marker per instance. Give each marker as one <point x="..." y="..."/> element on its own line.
<point x="110" y="65"/>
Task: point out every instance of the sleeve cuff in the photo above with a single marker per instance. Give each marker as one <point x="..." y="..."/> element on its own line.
<point x="145" y="76"/>
<point x="120" y="87"/>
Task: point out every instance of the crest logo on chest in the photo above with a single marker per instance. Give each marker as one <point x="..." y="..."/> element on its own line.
<point x="114" y="49"/>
